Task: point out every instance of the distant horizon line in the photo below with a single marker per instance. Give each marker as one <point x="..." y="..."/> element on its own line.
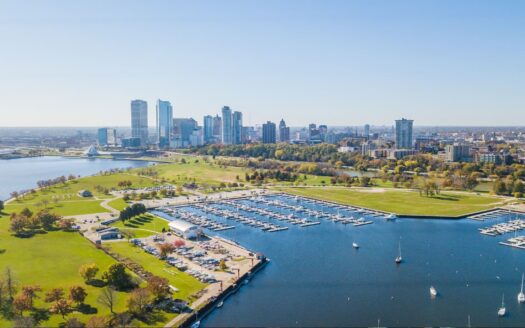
<point x="292" y="126"/>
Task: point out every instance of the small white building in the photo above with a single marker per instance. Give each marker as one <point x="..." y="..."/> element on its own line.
<point x="184" y="229"/>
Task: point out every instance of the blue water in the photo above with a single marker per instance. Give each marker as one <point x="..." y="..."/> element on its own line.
<point x="23" y="173"/>
<point x="316" y="278"/>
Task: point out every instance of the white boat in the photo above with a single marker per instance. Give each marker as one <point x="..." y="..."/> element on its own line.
<point x="196" y="324"/>
<point x="521" y="295"/>
<point x="433" y="291"/>
<point x="390" y="217"/>
<point x="502" y="310"/>
<point x="399" y="258"/>
<point x="355" y="245"/>
<point x="221" y="303"/>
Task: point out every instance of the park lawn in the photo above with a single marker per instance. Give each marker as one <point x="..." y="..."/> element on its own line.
<point x="403" y="202"/>
<point x="119" y="204"/>
<point x="65" y="208"/>
<point x="64" y="200"/>
<point x="52" y="260"/>
<point x="200" y="172"/>
<point x="143" y="225"/>
<point x="186" y="284"/>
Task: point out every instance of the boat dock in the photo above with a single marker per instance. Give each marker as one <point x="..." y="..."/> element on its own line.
<point x="503" y="228"/>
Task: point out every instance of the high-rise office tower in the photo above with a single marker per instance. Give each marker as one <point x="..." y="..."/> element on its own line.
<point x="268" y="135"/>
<point x="237" y="128"/>
<point x="227" y="126"/>
<point x="183" y="128"/>
<point x="284" y="132"/>
<point x="139" y="121"/>
<point x="107" y="137"/>
<point x="208" y="128"/>
<point x="367" y="131"/>
<point x="404" y="134"/>
<point x="217" y="128"/>
<point x="164" y="123"/>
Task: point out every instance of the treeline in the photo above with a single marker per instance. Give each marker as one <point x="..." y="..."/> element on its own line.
<point x="132" y="211"/>
<point x="26" y="223"/>
<point x="51" y="182"/>
<point x="283" y="152"/>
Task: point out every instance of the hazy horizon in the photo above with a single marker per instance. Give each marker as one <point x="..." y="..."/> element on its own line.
<point x="440" y="63"/>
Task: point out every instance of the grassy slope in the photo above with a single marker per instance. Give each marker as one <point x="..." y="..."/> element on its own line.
<point x="69" y="203"/>
<point x="52" y="260"/>
<point x="146" y="222"/>
<point x="186" y="284"/>
<point x="211" y="174"/>
<point x="403" y="201"/>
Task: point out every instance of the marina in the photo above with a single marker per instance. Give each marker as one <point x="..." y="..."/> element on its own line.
<point x="269" y="213"/>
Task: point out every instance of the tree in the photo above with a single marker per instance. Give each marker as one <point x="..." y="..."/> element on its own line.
<point x="54" y="295"/>
<point x="26" y="212"/>
<point x="62" y="307"/>
<point x="96" y="322"/>
<point x="22" y="303"/>
<point x="66" y="224"/>
<point x="88" y="271"/>
<point x="108" y="298"/>
<point x="73" y="323"/>
<point x="77" y="294"/>
<point x="138" y="301"/>
<point x="30" y="293"/>
<point x="18" y="224"/>
<point x="23" y="322"/>
<point x="117" y="277"/>
<point x="1" y="205"/>
<point x="158" y="287"/>
<point x="47" y="219"/>
<point x="10" y="283"/>
<point x="165" y="249"/>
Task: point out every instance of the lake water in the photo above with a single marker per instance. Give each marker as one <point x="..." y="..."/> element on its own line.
<point x="316" y="278"/>
<point x="23" y="173"/>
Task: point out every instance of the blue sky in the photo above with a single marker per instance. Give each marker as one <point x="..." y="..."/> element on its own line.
<point x="79" y="63"/>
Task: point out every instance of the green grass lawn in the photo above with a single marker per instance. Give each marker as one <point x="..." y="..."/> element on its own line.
<point x="64" y="200"/>
<point x="119" y="204"/>
<point x="52" y="260"/>
<point x="186" y="284"/>
<point x="403" y="201"/>
<point x="203" y="173"/>
<point x="143" y="225"/>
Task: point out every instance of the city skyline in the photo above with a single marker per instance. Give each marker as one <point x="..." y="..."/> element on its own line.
<point x="365" y="62"/>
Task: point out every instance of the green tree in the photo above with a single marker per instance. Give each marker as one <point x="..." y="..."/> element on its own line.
<point x="77" y="294"/>
<point x="117" y="277"/>
<point x="88" y="271"/>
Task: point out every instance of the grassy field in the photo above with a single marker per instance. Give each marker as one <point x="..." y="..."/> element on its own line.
<point x="403" y="201"/>
<point x="52" y="260"/>
<point x="201" y="172"/>
<point x="186" y="284"/>
<point x="119" y="204"/>
<point x="64" y="199"/>
<point x="144" y="225"/>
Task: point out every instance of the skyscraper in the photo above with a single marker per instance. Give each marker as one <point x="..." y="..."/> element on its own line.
<point x="227" y="126"/>
<point x="183" y="128"/>
<point x="217" y="128"/>
<point x="164" y="123"/>
<point x="404" y="134"/>
<point x="367" y="131"/>
<point x="237" y="128"/>
<point x="208" y="128"/>
<point x="139" y="121"/>
<point x="107" y="137"/>
<point x="268" y="135"/>
<point x="284" y="132"/>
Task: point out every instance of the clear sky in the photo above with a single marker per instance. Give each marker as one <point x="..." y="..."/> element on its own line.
<point x="79" y="63"/>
